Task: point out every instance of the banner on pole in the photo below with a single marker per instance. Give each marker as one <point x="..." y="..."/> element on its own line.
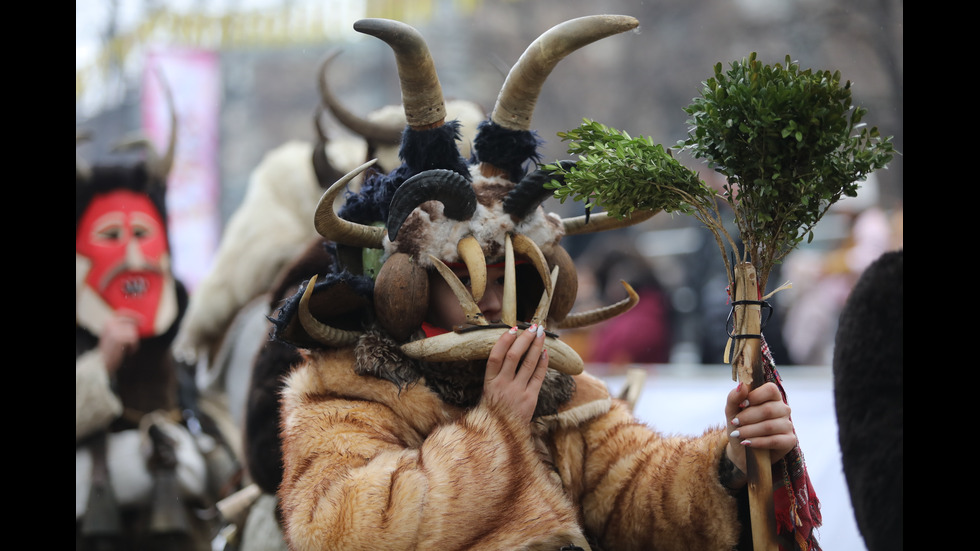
<point x="194" y="187"/>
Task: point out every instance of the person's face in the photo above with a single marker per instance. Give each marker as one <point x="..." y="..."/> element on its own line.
<point x="123" y="239"/>
<point x="445" y="311"/>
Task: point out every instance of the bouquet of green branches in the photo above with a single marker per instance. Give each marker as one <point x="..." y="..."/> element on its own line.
<point x="789" y="143"/>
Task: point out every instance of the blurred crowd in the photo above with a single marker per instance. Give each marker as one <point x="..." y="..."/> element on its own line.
<point x="822" y="281"/>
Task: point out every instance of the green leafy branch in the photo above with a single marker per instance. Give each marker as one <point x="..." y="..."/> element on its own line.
<point x="788" y="141"/>
<point x="622" y="174"/>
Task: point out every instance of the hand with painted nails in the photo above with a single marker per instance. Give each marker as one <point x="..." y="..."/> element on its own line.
<point x="758" y="419"/>
<point x="515" y="371"/>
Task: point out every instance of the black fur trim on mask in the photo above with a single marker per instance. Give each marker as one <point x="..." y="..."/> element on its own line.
<point x="421" y="150"/>
<point x="508" y="150"/>
<point x="430" y="149"/>
<point x="261" y="435"/>
<point x="355" y="310"/>
<point x="370" y="205"/>
<point x="320" y="257"/>
<point x="111" y="177"/>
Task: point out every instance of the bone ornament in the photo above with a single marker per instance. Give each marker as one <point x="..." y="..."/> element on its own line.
<point x="476" y="345"/>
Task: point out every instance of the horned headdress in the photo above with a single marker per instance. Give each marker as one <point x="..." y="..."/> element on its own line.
<point x="438" y="208"/>
<point x="112" y="269"/>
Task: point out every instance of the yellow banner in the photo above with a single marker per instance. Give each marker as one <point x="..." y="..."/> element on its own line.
<point x="290" y="25"/>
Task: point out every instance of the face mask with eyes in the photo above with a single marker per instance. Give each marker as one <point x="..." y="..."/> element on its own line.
<point x="122" y="252"/>
<point x="122" y="258"/>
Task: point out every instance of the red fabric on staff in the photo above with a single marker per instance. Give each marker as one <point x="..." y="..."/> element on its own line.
<point x="796" y="503"/>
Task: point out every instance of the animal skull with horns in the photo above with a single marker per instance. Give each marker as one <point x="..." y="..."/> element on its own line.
<point x="438" y="208"/>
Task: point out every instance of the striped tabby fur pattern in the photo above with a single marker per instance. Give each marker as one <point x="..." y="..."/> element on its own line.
<point x="370" y="465"/>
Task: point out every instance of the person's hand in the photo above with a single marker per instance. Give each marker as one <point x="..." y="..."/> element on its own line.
<point x="515" y="371"/>
<point x="758" y="419"/>
<point x="119" y="339"/>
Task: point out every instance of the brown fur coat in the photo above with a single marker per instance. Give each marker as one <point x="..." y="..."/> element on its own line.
<point x="369" y="465"/>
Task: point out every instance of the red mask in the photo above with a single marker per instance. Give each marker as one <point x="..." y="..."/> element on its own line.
<point x="122" y="241"/>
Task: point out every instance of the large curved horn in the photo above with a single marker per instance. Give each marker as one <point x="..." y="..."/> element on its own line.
<point x="544" y="305"/>
<point x="83" y="171"/>
<point x="422" y="96"/>
<point x="515" y="103"/>
<point x="446" y="186"/>
<point x="476" y="345"/>
<point x="338" y="230"/>
<point x="326" y="173"/>
<point x="526" y="247"/>
<point x="385" y="134"/>
<point x="471" y="254"/>
<point x="592" y="317"/>
<point x="508" y="308"/>
<point x="324" y="334"/>
<point x="167" y="160"/>
<point x="565" y="290"/>
<point x="159" y="165"/>
<point x="602" y="221"/>
<point x="471" y="310"/>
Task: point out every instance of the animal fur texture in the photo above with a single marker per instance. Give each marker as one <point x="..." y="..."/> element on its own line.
<point x="868" y="393"/>
<point x="370" y="464"/>
<point x="270" y="228"/>
<point x="96" y="405"/>
<point x="428" y="231"/>
<point x="269" y="369"/>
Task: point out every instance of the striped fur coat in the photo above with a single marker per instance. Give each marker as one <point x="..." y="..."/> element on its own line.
<point x="374" y="465"/>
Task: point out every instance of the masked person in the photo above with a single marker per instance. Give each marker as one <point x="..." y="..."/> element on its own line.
<point x="436" y="408"/>
<point x="138" y="470"/>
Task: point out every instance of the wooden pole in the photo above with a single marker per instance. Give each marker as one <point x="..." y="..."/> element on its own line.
<point x="747" y="363"/>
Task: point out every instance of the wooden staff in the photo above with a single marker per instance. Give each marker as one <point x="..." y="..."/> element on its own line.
<point x="747" y="363"/>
